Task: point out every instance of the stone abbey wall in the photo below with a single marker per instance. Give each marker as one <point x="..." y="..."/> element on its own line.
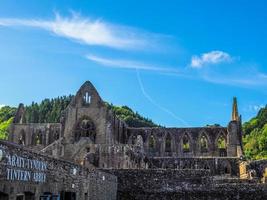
<point x="162" y="142"/>
<point x="88" y="127"/>
<point x="35" y="134"/>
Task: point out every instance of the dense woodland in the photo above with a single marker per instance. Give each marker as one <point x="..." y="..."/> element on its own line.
<point x="50" y="110"/>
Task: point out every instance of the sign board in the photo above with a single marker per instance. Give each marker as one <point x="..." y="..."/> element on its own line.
<point x="22" y="168"/>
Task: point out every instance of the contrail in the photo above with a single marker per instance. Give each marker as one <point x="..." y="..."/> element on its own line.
<point x="149" y="98"/>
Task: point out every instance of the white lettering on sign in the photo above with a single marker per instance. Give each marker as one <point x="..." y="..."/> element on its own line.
<point x="17" y="161"/>
<point x="30" y="170"/>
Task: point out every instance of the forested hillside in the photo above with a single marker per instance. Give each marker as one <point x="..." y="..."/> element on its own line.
<point x="133" y="119"/>
<point x="255" y="136"/>
<point x="49" y="111"/>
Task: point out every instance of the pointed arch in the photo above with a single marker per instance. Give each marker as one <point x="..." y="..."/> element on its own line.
<point x="139" y="141"/>
<point x="203" y="143"/>
<point x="37" y="138"/>
<point x="152" y="143"/>
<point x="225" y="167"/>
<point x="221" y="144"/>
<point x="22" y="138"/>
<point x="186" y="144"/>
<point x="168" y="143"/>
<point x="85" y="127"/>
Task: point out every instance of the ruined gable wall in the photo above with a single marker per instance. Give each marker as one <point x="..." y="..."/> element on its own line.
<point x="108" y="129"/>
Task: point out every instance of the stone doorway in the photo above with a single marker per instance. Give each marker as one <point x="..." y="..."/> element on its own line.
<point x="20" y="197"/>
<point x="68" y="195"/>
<point x="25" y="196"/>
<point x="49" y="196"/>
<point x="29" y="196"/>
<point x="3" y="196"/>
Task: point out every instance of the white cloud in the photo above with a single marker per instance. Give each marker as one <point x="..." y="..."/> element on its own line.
<point x="213" y="57"/>
<point x="253" y="108"/>
<point x="91" y="32"/>
<point x="249" y="79"/>
<point x="129" y="64"/>
<point x="151" y="100"/>
<point x="256" y="107"/>
<point x="2" y="105"/>
<point x="242" y="79"/>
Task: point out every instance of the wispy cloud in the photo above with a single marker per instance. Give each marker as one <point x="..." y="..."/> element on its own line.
<point x="151" y="100"/>
<point x="256" y="107"/>
<point x="100" y="33"/>
<point x="245" y="78"/>
<point x="212" y="57"/>
<point x="130" y="64"/>
<point x="253" y="108"/>
<point x="91" y="32"/>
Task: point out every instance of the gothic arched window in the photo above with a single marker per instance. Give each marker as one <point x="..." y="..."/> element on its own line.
<point x="185" y="143"/>
<point x="152" y="143"/>
<point x="85" y="128"/>
<point x="22" y="138"/>
<point x="86" y="98"/>
<point x="37" y="138"/>
<point x="203" y="143"/>
<point x="221" y="145"/>
<point x="168" y="143"/>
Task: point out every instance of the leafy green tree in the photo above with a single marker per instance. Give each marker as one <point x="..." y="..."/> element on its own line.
<point x="6" y="113"/>
<point x="4" y="128"/>
<point x="255" y="136"/>
<point x="132" y="119"/>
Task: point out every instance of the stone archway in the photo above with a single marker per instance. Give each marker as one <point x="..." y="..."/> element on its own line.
<point x="22" y="138"/>
<point x="85" y="128"/>
<point x="151" y="144"/>
<point x="186" y="143"/>
<point x="203" y="143"/>
<point x="3" y="196"/>
<point x="221" y="145"/>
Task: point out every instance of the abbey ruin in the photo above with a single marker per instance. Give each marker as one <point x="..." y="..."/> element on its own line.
<point x="92" y="154"/>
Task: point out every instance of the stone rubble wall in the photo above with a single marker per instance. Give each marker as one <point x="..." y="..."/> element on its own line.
<point x="161" y="184"/>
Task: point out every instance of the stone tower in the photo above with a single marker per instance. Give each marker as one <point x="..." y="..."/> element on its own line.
<point x="234" y="139"/>
<point x="235" y="116"/>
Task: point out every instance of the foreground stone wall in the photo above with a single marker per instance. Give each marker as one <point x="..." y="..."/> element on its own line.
<point x="23" y="171"/>
<point x="184" y="185"/>
<point x="216" y="165"/>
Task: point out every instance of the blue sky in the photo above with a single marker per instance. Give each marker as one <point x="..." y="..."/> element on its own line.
<point x="176" y="62"/>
